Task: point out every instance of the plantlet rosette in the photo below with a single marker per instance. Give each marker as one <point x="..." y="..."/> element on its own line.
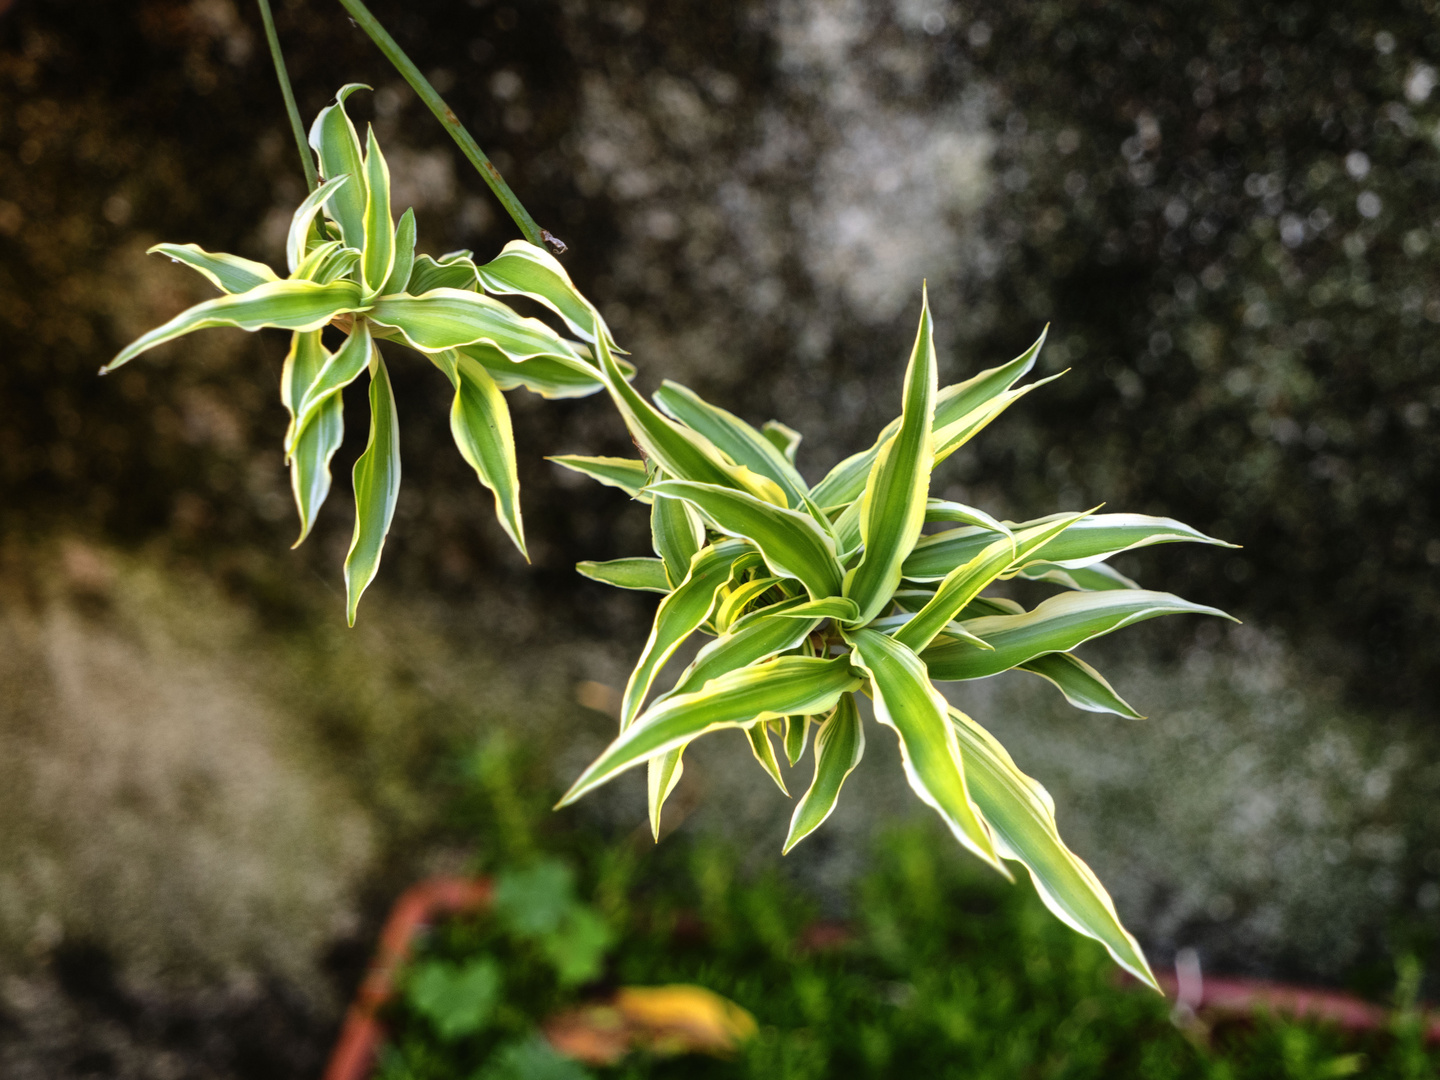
<point x="814" y="594"/>
<point x="354" y="268"/>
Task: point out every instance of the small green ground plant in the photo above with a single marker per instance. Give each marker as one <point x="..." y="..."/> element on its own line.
<point x="817" y="595"/>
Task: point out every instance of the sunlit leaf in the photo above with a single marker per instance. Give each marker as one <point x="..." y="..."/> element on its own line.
<point x="286" y="305"/>
<point x="797" y="731"/>
<point x="338" y="372"/>
<point x="758" y="636"/>
<point x="944" y="510"/>
<point x="645" y="575"/>
<point x="906" y="702"/>
<point x="551" y="377"/>
<point x="1058" y="624"/>
<point x="764" y="751"/>
<point x="839" y="746"/>
<point x="664" y="773"/>
<point x="522" y="269"/>
<point x="377" y="484"/>
<point x="793" y="545"/>
<point x="1022" y="820"/>
<point x="892" y="509"/>
<point x="678" y="616"/>
<point x="783" y="438"/>
<point x="404" y="255"/>
<point x="676" y="534"/>
<point x="427" y="274"/>
<point x="733" y="603"/>
<point x="627" y="474"/>
<point x="777" y="688"/>
<point x="334" y="139"/>
<point x="480" y="425"/>
<point x="310" y="458"/>
<point x="1100" y="536"/>
<point x="379" y="251"/>
<point x="444" y="319"/>
<point x="1097" y="577"/>
<point x="228" y="273"/>
<point x="1082" y="685"/>
<point x="304" y="218"/>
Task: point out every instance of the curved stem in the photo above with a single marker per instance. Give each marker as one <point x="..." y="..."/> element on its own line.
<point x="491" y="175"/>
<point x="307" y="162"/>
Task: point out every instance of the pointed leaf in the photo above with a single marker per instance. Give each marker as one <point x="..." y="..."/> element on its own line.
<point x="839" y="746"/>
<point x="318" y="257"/>
<point x="305" y="360"/>
<point x="797" y="732"/>
<point x="906" y="702"/>
<point x="733" y="603"/>
<point x="1058" y="624"/>
<point x="780" y="687"/>
<point x="940" y="554"/>
<point x="287" y="305"/>
<point x="404" y="255"/>
<point x="228" y="273"/>
<point x="783" y="438"/>
<point x="1082" y="685"/>
<point x="427" y="275"/>
<point x="480" y="425"/>
<point x="626" y="474"/>
<point x="304" y="217"/>
<point x="377" y="485"/>
<point x="336" y="263"/>
<point x="944" y="510"/>
<point x="735" y="437"/>
<point x="964" y="583"/>
<point x="522" y="269"/>
<point x="444" y="319"/>
<point x="664" y="773"/>
<point x="892" y="510"/>
<point x="676" y="534"/>
<point x="549" y="376"/>
<point x="334" y="140"/>
<point x="840" y="608"/>
<point x="340" y="370"/>
<point x="1022" y="818"/>
<point x="310" y="462"/>
<point x="793" y="545"/>
<point x="379" y="250"/>
<point x="759" y="636"/>
<point x="679" y="451"/>
<point x="1097" y="577"/>
<point x="764" y="751"/>
<point x="678" y="616"/>
<point x="645" y="575"/>
<point x="1100" y="536"/>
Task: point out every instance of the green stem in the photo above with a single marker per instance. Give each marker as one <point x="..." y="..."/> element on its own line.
<point x="491" y="175"/>
<point x="307" y="162"/>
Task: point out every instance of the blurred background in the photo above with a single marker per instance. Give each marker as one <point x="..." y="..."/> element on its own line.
<point x="1227" y="213"/>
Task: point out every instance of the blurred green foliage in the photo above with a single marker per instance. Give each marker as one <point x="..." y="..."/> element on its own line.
<point x="941" y="970"/>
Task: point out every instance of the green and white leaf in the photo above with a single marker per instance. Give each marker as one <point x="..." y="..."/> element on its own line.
<point x="839" y="746"/>
<point x="404" y="255"/>
<point x="759" y="636"/>
<point x="781" y="687"/>
<point x="793" y="545"/>
<point x="377" y="485"/>
<point x="340" y="370"/>
<point x="285" y="305"/>
<point x="1082" y="685"/>
<point x="334" y="140"/>
<point x="764" y="751"/>
<point x="1097" y="577"/>
<point x="427" y="275"/>
<point x="1058" y="624"/>
<point x="551" y="377"/>
<point x="228" y="273"/>
<point x="944" y="510"/>
<point x="378" y="258"/>
<point x="1022" y="820"/>
<point x="304" y="217"/>
<point x="784" y="438"/>
<point x="309" y="460"/>
<point x="444" y="319"/>
<point x="892" y="509"/>
<point x="627" y="474"/>
<point x="1100" y="536"/>
<point x="676" y="534"/>
<point x="664" y="773"/>
<point x="644" y="575"/>
<point x="522" y="269"/>
<point x="797" y="733"/>
<point x="906" y="701"/>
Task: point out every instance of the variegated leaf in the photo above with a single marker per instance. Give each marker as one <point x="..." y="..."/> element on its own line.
<point x="377" y="484"/>
<point x="644" y="575"/>
<point x="334" y="140"/>
<point x="764" y="751"/>
<point x="339" y="371"/>
<point x="522" y="269"/>
<point x="404" y="255"/>
<point x="676" y="534"/>
<point x="627" y="474"/>
<point x="758" y="636"/>
<point x="427" y="275"/>
<point x="304" y="217"/>
<point x="1082" y="685"/>
<point x="839" y="746"/>
<point x="444" y="319"/>
<point x="783" y="438"/>
<point x="378" y="254"/>
<point x="228" y="273"/>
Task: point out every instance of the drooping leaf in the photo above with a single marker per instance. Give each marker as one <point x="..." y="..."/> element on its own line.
<point x="309" y="459"/>
<point x="1100" y="536"/>
<point x="678" y="616"/>
<point x="304" y="361"/>
<point x="480" y="425"/>
<point x="1097" y="577"/>
<point x="793" y="545"/>
<point x="377" y="484"/>
<point x="734" y="436"/>
<point x="627" y="474"/>
<point x="379" y="251"/>
<point x="427" y="275"/>
<point x="780" y="687"/>
<point x="1022" y="819"/>
<point x="944" y="510"/>
<point x="1058" y="624"/>
<point x="286" y="305"/>
<point x="304" y="218"/>
<point x="758" y="636"/>
<point x="444" y="319"/>
<point x="839" y="746"/>
<point x="906" y="702"/>
<point x="764" y="751"/>
<point x="340" y="370"/>
<point x="551" y="377"/>
<point x="940" y="554"/>
<point x="964" y="583"/>
<point x="892" y="509"/>
<point x="334" y="140"/>
<point x="783" y="438"/>
<point x="664" y="773"/>
<point x="679" y="451"/>
<point x="404" y="255"/>
<point x="522" y="269"/>
<point x="676" y="533"/>
<point x="797" y="731"/>
<point x="1082" y="685"/>
<point x="645" y="575"/>
<point x="228" y="273"/>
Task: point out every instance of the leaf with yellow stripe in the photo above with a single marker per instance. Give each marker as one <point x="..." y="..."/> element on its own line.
<point x="377" y="485"/>
<point x="839" y="746"/>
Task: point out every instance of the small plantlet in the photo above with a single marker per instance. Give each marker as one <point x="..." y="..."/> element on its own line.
<point x="814" y="594"/>
<point x="353" y="267"/>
